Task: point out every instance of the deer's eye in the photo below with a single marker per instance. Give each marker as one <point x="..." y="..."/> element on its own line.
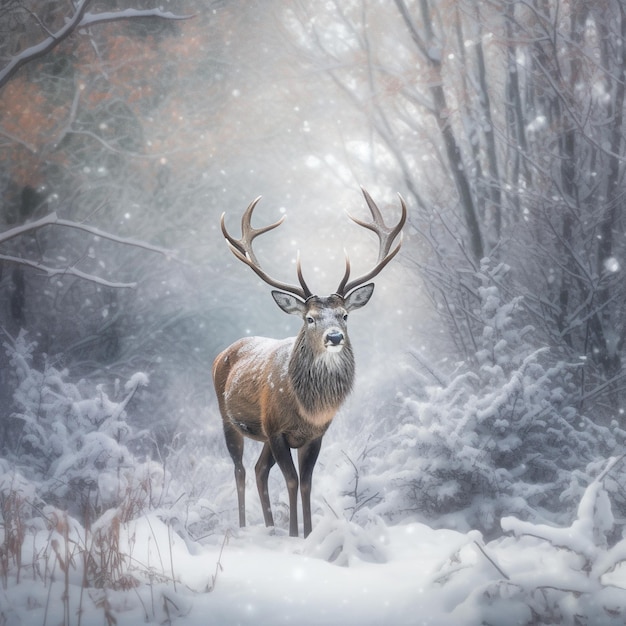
<point x="309" y="320"/>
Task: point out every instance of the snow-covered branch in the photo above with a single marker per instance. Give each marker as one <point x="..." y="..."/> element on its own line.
<point x="30" y="226"/>
<point x="136" y="243"/>
<point x="587" y="534"/>
<point x="66" y="271"/>
<point x="53" y="220"/>
<point x="80" y="19"/>
<point x="113" y="16"/>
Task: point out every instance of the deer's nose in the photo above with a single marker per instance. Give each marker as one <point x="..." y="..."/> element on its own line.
<point x="334" y="337"/>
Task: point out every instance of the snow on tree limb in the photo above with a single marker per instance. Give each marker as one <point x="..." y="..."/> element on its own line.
<point x="80" y="19"/>
<point x="43" y="47"/>
<point x="136" y="243"/>
<point x="112" y="16"/>
<point x="26" y="228"/>
<point x="586" y="535"/>
<point x="66" y="271"/>
<point x="53" y="220"/>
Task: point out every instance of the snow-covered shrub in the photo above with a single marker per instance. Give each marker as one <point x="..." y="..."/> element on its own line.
<point x="343" y="543"/>
<point x="72" y="441"/>
<point x="563" y="574"/>
<point x="500" y="437"/>
<point x="69" y="480"/>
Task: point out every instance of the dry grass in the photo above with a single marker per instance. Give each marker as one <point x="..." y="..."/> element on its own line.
<point x="98" y="552"/>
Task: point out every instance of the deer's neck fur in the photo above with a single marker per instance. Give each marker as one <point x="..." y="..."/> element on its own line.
<point x="320" y="381"/>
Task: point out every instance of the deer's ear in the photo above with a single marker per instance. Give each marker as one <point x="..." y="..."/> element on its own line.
<point x="359" y="297"/>
<point x="288" y="303"/>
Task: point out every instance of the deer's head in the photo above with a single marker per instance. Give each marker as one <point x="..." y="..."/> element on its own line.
<point x="324" y="318"/>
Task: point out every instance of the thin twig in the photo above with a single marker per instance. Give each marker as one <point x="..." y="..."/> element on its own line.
<point x="330" y="507"/>
<point x="218" y="566"/>
<point x="498" y="568"/>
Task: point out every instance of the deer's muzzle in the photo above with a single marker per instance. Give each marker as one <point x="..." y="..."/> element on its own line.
<point x="334" y="340"/>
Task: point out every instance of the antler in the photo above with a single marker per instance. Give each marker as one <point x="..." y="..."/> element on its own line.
<point x="242" y="249"/>
<point x="386" y="236"/>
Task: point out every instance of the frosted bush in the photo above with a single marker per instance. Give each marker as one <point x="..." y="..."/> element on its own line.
<point x="343" y="543"/>
<point x="576" y="583"/>
<point x="72" y="442"/>
<point x="501" y="437"/>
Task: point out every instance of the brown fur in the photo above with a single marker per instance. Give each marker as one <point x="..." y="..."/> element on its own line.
<point x="289" y="388"/>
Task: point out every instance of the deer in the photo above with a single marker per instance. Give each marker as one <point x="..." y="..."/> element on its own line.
<point x="286" y="392"/>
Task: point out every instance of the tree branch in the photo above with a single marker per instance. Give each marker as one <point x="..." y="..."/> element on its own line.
<point x="80" y="19"/>
<point x="52" y="219"/>
<point x="66" y="271"/>
<point x="43" y="47"/>
<point x="127" y="241"/>
<point x="113" y="16"/>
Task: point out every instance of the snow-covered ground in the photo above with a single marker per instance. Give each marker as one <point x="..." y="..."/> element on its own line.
<point x="260" y="576"/>
<point x="342" y="573"/>
<point x="356" y="567"/>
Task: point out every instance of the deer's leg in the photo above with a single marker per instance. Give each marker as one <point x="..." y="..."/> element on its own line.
<point x="262" y="468"/>
<point x="307" y="456"/>
<point x="234" y="443"/>
<point x="282" y="453"/>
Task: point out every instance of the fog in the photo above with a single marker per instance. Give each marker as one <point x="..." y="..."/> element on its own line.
<point x="490" y="381"/>
<point x="209" y="112"/>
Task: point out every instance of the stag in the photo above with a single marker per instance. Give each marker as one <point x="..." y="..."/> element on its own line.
<point x="286" y="392"/>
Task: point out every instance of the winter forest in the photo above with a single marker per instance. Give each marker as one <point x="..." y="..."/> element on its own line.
<point x="476" y="473"/>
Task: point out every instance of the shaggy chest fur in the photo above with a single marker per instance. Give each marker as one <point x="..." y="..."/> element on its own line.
<point x="321" y="382"/>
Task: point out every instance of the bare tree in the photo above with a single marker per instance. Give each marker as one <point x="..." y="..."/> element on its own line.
<point x="78" y="18"/>
<point x="518" y="108"/>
